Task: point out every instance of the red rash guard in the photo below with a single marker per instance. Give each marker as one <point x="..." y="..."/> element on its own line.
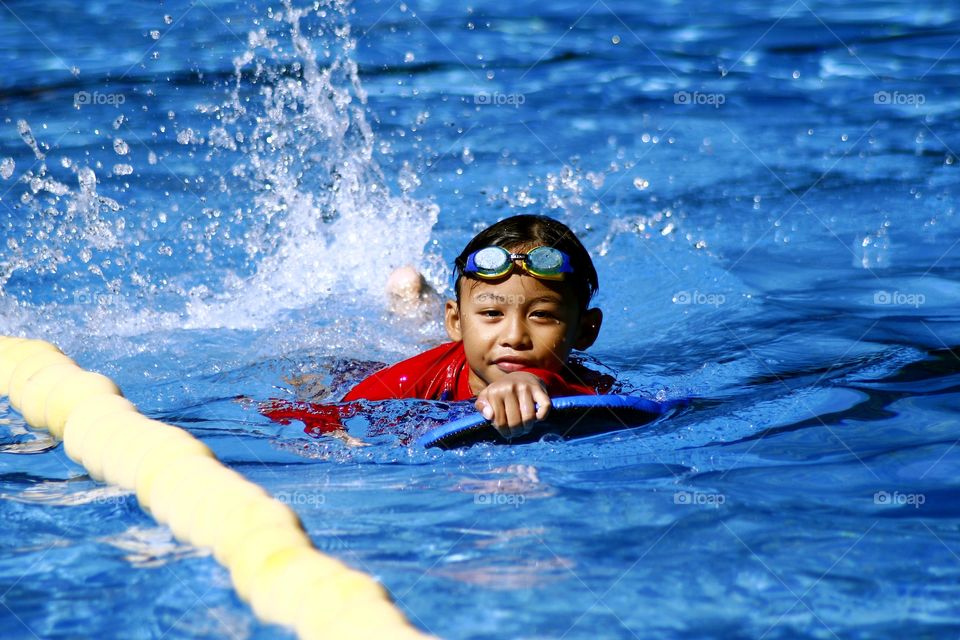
<point x="441" y="373"/>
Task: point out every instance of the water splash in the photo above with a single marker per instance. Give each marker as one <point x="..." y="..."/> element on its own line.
<point x="321" y="202"/>
<point x="293" y="154"/>
<point x="58" y="221"/>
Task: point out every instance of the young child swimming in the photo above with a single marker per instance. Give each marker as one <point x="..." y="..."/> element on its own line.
<point x="522" y="304"/>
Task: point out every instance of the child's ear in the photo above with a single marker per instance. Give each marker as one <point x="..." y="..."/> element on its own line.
<point x="590" y="321"/>
<point x="451" y="320"/>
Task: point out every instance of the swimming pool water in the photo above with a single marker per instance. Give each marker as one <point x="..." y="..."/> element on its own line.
<point x="203" y="201"/>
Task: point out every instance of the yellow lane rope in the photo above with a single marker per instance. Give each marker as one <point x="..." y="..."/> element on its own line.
<point x="178" y="481"/>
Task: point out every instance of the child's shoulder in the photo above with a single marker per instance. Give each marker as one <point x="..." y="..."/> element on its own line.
<point x="421" y="376"/>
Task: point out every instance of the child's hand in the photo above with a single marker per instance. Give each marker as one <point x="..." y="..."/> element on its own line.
<point x="509" y="403"/>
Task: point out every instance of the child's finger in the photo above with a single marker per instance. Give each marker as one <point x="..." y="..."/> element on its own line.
<point x="528" y="411"/>
<point x="513" y="415"/>
<point x="502" y="418"/>
<point x="542" y="398"/>
<point x="491" y="408"/>
<point x="484" y="408"/>
<point x="505" y="415"/>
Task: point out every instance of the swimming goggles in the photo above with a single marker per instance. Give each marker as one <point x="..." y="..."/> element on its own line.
<point x="491" y="263"/>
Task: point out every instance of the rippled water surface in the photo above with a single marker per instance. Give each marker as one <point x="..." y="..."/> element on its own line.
<point x="203" y="201"/>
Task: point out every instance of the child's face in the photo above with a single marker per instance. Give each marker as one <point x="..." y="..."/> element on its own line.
<point x="517" y="322"/>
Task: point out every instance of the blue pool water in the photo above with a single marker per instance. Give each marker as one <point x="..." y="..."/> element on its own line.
<point x="203" y="201"/>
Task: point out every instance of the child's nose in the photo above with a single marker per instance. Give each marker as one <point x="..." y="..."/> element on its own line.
<point x="515" y="334"/>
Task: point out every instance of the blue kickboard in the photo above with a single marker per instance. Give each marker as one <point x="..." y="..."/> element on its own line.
<point x="570" y="417"/>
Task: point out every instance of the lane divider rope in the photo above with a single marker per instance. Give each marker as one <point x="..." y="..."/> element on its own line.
<point x="177" y="479"/>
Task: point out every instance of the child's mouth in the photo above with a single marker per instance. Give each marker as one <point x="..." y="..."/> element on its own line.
<point x="510" y="366"/>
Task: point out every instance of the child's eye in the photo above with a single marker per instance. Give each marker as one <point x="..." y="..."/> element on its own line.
<point x="490" y="313"/>
<point x="542" y="314"/>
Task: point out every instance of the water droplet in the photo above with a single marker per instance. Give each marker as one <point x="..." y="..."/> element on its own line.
<point x="640" y="183"/>
<point x="168" y="19"/>
<point x="155" y="34"/>
<point x="409" y="57"/>
<point x="186" y="136"/>
<point x="7" y="165"/>
<point x="87" y="179"/>
<point x="615" y="39"/>
<point x="796" y="74"/>
<point x="122" y="169"/>
<point x="27" y="135"/>
<point x="120" y="147"/>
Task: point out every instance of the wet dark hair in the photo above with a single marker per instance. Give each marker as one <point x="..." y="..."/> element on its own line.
<point x="528" y="231"/>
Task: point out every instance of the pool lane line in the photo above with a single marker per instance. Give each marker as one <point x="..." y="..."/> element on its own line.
<point x="178" y="480"/>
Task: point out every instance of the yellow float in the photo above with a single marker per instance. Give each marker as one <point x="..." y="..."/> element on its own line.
<point x="177" y="479"/>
